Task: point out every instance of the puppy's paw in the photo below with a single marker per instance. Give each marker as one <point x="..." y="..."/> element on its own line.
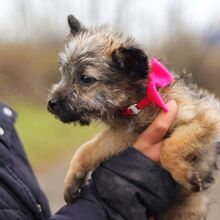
<point x="71" y="194"/>
<point x="186" y="176"/>
<point x="72" y="186"/>
<point x="194" y="180"/>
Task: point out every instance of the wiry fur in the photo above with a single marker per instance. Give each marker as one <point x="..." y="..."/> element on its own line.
<point x="119" y="68"/>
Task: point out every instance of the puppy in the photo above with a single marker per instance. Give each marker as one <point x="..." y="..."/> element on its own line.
<point x="104" y="75"/>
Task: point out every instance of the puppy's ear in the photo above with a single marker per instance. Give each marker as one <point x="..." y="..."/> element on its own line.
<point x="74" y="24"/>
<point x="131" y="61"/>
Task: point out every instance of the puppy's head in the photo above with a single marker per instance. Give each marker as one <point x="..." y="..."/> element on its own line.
<point x="101" y="72"/>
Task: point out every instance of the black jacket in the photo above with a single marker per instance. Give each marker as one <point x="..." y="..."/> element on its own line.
<point x="127" y="187"/>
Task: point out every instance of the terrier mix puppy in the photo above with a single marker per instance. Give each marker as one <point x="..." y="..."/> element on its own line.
<point x="103" y="73"/>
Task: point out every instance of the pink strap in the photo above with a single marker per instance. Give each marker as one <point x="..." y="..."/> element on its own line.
<point x="158" y="77"/>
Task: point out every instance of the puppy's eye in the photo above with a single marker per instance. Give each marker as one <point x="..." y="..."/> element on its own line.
<point x="86" y="80"/>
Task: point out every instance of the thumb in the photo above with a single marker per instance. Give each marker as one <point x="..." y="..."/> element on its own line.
<point x="161" y="124"/>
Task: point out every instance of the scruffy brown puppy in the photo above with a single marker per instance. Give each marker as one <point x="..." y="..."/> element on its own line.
<point x="103" y="72"/>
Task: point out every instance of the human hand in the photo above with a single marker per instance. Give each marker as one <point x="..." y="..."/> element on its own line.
<point x="149" y="142"/>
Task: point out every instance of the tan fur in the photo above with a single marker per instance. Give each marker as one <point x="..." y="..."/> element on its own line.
<point x="188" y="151"/>
<point x="197" y="133"/>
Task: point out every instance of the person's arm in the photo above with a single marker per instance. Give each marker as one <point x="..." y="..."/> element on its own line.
<point x="131" y="185"/>
<point x="21" y="197"/>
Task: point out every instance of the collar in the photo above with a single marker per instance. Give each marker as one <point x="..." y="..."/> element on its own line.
<point x="158" y="77"/>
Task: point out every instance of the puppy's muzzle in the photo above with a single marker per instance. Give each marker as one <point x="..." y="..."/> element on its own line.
<point x="59" y="108"/>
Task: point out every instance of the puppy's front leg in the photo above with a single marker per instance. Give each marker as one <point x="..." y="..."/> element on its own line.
<point x="81" y="163"/>
<point x="90" y="155"/>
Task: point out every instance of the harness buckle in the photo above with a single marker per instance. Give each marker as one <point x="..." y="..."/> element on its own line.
<point x="134" y="109"/>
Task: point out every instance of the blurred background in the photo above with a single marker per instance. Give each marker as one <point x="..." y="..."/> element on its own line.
<point x="184" y="34"/>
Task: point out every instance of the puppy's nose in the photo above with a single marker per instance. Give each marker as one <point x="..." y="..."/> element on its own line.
<point x="53" y="104"/>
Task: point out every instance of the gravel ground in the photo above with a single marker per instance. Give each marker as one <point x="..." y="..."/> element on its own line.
<point x="52" y="184"/>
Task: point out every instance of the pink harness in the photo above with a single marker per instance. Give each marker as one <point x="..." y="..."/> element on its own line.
<point x="158" y="77"/>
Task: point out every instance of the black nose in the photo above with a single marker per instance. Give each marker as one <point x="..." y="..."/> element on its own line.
<point x="53" y="104"/>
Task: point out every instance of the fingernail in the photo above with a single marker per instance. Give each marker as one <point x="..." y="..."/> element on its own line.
<point x="172" y="101"/>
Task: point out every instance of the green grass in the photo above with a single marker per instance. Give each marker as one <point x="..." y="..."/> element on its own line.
<point x="46" y="139"/>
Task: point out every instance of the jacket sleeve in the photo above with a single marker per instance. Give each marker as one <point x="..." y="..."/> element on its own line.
<point x="127" y="187"/>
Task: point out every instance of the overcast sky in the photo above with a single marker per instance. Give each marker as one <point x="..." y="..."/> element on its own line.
<point x="23" y="20"/>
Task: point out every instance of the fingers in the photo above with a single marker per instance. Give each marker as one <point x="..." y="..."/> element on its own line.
<point x="150" y="140"/>
<point x="159" y="127"/>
